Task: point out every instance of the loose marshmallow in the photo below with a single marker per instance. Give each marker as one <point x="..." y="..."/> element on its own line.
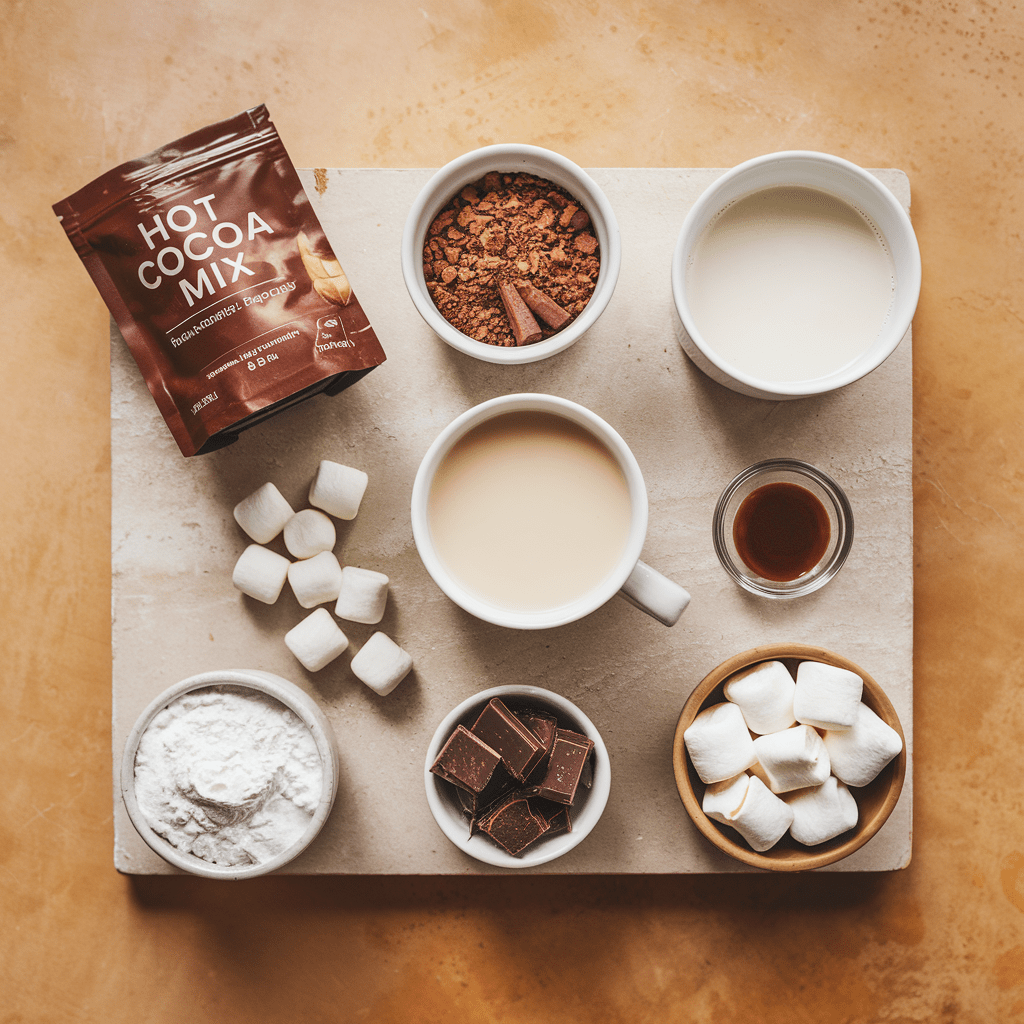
<point x="315" y="580"/>
<point x="793" y="758"/>
<point x="763" y="818"/>
<point x="364" y="593"/>
<point x="338" y="489"/>
<point x="316" y="641"/>
<point x="765" y="696"/>
<point x="263" y="514"/>
<point x="722" y="800"/>
<point x="308" y="533"/>
<point x="719" y="743"/>
<point x="826" y="696"/>
<point x="822" y="813"/>
<point x="860" y="753"/>
<point x="381" y="664"/>
<point x="260" y="573"/>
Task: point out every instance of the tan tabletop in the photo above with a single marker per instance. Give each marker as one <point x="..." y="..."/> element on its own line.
<point x="934" y="90"/>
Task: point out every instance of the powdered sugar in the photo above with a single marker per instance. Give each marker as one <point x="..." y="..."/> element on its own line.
<point x="229" y="775"/>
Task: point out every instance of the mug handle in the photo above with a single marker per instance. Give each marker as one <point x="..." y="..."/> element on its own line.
<point x="648" y="590"/>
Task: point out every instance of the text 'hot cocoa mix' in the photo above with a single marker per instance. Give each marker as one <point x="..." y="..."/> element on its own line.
<point x="221" y="280"/>
<point x="511" y="260"/>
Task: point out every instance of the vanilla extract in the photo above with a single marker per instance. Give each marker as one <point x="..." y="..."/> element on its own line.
<point x="781" y="531"/>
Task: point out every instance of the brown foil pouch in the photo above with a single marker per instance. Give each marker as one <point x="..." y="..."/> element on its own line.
<point x="221" y="280"/>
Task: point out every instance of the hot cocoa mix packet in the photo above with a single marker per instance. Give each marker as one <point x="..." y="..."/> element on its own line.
<point x="221" y="280"/>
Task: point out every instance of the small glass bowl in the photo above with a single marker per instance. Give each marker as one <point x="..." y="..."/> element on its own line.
<point x="823" y="487"/>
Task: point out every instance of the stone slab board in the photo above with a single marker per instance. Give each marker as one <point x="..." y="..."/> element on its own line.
<point x="174" y="543"/>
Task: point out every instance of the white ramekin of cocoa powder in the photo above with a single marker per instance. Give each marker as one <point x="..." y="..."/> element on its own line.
<point x="511" y="253"/>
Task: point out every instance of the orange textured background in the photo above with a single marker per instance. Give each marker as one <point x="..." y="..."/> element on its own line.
<point x="933" y="88"/>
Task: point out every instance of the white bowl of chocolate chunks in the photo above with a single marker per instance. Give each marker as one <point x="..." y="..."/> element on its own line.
<point x="510" y="253"/>
<point x="517" y="776"/>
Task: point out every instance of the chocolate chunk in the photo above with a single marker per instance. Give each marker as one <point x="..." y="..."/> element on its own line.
<point x="556" y="815"/>
<point x="514" y="825"/>
<point x="476" y="805"/>
<point x="569" y="753"/>
<point x="579" y="221"/>
<point x="466" y="761"/>
<point x="587" y="775"/>
<point x="543" y="726"/>
<point x="519" y="748"/>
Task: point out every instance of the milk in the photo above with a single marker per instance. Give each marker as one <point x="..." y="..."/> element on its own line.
<point x="790" y="284"/>
<point x="529" y="511"/>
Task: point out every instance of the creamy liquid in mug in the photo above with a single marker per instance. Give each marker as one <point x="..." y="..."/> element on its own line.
<point x="529" y="511"/>
<point x="790" y="284"/>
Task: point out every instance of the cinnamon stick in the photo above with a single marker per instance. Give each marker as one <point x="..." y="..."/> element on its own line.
<point x="524" y="328"/>
<point x="544" y="306"/>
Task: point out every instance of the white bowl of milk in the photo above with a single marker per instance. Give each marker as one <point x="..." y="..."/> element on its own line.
<point x="795" y="273"/>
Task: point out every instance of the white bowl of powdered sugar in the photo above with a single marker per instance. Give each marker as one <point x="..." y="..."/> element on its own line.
<point x="230" y="774"/>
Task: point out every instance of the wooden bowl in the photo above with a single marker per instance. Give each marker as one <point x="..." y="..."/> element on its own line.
<point x="875" y="801"/>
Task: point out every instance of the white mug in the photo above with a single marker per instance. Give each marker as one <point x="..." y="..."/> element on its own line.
<point x="641" y="585"/>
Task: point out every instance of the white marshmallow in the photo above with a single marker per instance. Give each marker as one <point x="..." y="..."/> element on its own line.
<point x="763" y="818"/>
<point x="860" y="753"/>
<point x="263" y="514"/>
<point x="793" y="758"/>
<point x="757" y="769"/>
<point x="363" y="595"/>
<point x="316" y="641"/>
<point x="722" y="800"/>
<point x="260" y="573"/>
<point x="826" y="696"/>
<point x="338" y="489"/>
<point x="308" y="533"/>
<point x="381" y="664"/>
<point x="719" y="743"/>
<point x="765" y="696"/>
<point x="315" y="580"/>
<point x="822" y="813"/>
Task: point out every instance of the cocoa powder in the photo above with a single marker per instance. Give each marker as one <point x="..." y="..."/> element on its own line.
<point x="511" y="229"/>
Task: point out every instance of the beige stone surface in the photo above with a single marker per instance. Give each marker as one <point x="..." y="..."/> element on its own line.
<point x="174" y="543"/>
<point x="932" y="88"/>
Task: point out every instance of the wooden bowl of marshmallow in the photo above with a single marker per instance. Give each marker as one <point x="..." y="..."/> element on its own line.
<point x="789" y="757"/>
